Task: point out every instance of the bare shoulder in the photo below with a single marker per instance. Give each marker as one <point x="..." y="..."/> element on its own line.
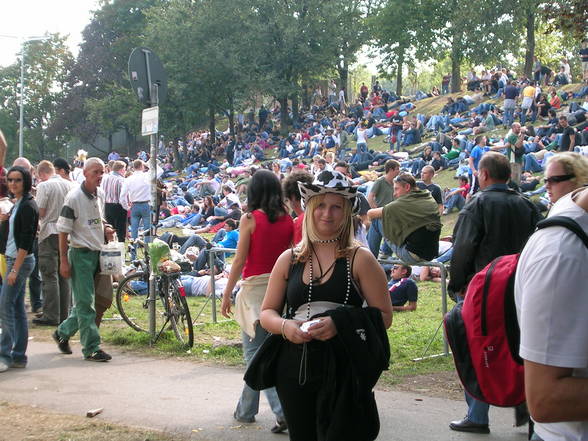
<point x="247" y="221"/>
<point x="363" y="255"/>
<point x="364" y="261"/>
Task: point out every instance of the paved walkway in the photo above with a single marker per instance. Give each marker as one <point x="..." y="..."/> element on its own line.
<point x="198" y="399"/>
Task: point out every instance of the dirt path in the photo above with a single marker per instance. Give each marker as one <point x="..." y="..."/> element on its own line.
<point x="196" y="401"/>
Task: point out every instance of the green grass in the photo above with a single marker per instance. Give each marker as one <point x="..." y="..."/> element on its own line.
<point x="221" y="342"/>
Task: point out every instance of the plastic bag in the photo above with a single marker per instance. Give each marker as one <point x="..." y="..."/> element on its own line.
<point x="112" y="257"/>
<point x="158" y="252"/>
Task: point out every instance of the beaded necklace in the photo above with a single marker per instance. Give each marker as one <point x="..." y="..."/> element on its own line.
<point x="311" y="280"/>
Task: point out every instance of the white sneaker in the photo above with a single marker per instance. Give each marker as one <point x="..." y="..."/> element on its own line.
<point x="3" y="366"/>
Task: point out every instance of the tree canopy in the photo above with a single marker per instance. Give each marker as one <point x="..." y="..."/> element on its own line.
<point x="221" y="56"/>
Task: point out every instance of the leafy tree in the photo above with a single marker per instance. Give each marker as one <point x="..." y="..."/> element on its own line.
<point x="482" y="34"/>
<point x="293" y="41"/>
<point x="402" y="28"/>
<point x="207" y="54"/>
<point x="47" y="63"/>
<point x="99" y="73"/>
<point x="570" y="16"/>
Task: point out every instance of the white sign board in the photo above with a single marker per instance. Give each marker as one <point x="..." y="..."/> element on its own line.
<point x="150" y="121"/>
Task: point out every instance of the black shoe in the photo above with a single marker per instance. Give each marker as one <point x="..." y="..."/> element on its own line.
<point x="44" y="322"/>
<point x="62" y="343"/>
<point x="281" y="426"/>
<point x="466" y="425"/>
<point x="99" y="356"/>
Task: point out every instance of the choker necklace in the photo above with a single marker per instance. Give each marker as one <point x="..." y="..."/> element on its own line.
<point x="336" y="239"/>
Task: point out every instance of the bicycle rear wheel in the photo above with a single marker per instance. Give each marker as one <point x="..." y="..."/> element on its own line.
<point x="133" y="305"/>
<point x="179" y="313"/>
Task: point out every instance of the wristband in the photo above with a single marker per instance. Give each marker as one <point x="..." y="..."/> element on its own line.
<point x="282" y="329"/>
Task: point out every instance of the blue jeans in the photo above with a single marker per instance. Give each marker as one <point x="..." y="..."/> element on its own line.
<point x="374" y="237"/>
<point x="477" y="410"/>
<point x="454" y="201"/>
<point x="140" y="212"/>
<point x="531" y="164"/>
<point x="248" y="405"/>
<point x="193" y="241"/>
<point x="13" y="316"/>
<point x="403" y="254"/>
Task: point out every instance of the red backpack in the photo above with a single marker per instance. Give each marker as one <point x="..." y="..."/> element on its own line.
<point x="483" y="330"/>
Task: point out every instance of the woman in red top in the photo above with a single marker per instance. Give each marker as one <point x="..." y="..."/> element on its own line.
<point x="265" y="232"/>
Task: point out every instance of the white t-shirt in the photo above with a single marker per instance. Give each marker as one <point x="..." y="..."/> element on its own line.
<point x="361" y="138"/>
<point x="552" y="306"/>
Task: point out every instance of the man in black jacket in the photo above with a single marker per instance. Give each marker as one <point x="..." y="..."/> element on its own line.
<point x="495" y="222"/>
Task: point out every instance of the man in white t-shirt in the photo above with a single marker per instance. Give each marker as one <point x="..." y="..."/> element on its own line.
<point x="552" y="307"/>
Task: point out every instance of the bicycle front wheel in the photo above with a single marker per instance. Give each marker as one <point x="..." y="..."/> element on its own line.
<point x="133" y="302"/>
<point x="179" y="313"/>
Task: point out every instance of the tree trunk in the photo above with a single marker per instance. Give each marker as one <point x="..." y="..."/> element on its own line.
<point x="399" y="67"/>
<point x="284" y="117"/>
<point x="456" y="57"/>
<point x="231" y="116"/>
<point x="306" y="96"/>
<point x="530" y="49"/>
<point x="109" y="142"/>
<point x="211" y="124"/>
<point x="295" y="108"/>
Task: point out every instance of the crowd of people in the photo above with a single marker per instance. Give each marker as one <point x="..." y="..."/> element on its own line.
<point x="307" y="215"/>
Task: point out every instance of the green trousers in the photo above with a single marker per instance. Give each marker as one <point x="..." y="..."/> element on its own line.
<point x="82" y="317"/>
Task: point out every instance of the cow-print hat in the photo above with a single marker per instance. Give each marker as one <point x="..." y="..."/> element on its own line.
<point x="330" y="182"/>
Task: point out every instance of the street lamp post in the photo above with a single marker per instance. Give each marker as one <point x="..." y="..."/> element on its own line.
<point x="21" y="101"/>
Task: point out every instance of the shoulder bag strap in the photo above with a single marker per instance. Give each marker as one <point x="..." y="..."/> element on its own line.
<point x="566" y="222"/>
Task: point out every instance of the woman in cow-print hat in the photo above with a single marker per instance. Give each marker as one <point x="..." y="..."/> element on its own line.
<point x="325" y="271"/>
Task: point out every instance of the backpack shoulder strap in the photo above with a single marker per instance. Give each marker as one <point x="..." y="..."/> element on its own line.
<point x="566" y="222"/>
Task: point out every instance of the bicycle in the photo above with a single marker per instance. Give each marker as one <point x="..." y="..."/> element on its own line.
<point x="172" y="308"/>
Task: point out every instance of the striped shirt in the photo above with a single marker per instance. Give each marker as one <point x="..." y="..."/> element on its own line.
<point x="112" y="184"/>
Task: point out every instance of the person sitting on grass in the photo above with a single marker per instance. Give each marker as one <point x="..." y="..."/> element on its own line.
<point x="456" y="197"/>
<point x="403" y="289"/>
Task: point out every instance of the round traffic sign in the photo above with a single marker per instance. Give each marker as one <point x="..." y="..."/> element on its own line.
<point x="145" y="70"/>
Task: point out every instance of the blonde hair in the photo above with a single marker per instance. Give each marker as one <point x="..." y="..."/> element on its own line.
<point x="346" y="231"/>
<point x="573" y="164"/>
<point x="45" y="167"/>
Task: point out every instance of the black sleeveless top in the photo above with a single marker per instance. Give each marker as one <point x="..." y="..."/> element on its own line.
<point x="333" y="290"/>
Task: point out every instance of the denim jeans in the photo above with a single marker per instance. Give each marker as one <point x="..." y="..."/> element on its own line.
<point x="403" y="254"/>
<point x="477" y="410"/>
<point x="13" y="316"/>
<point x="193" y="241"/>
<point x="531" y="164"/>
<point x="374" y="237"/>
<point x="248" y="405"/>
<point x="140" y="212"/>
<point x="454" y="201"/>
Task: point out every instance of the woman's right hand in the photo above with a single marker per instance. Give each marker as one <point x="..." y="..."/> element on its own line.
<point x="226" y="306"/>
<point x="293" y="333"/>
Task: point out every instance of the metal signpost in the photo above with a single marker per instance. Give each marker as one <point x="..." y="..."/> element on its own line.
<point x="149" y="81"/>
